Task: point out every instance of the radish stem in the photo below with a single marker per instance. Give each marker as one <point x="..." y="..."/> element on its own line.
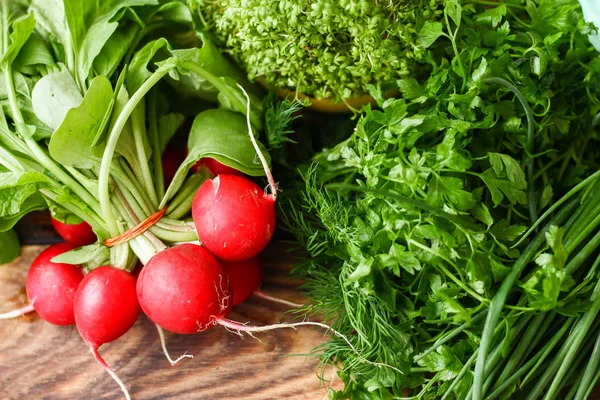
<point x="238" y="328"/>
<point x="111" y="145"/>
<point x="139" y="136"/>
<point x="18" y="312"/>
<point x="112" y="373"/>
<point x="262" y="158"/>
<point x="163" y="344"/>
<point x="159" y="183"/>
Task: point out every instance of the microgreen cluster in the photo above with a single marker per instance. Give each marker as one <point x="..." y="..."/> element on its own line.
<point x="325" y="48"/>
<point x="412" y="222"/>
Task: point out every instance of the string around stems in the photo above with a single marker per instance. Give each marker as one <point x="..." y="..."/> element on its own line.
<point x="240" y="329"/>
<point x="136" y="230"/>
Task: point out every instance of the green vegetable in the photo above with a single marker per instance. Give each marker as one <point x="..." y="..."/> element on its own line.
<point x="9" y="246"/>
<point x="327" y="48"/>
<point x="412" y="224"/>
<point x="75" y="133"/>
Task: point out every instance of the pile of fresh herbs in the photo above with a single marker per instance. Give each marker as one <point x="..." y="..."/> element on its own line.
<point x="326" y="48"/>
<point x="415" y="224"/>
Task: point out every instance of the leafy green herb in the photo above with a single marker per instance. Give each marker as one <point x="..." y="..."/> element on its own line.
<point x="502" y="116"/>
<point x="279" y="116"/>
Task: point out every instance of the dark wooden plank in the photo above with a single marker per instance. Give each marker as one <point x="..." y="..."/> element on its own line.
<point x="36" y="228"/>
<point x="42" y="361"/>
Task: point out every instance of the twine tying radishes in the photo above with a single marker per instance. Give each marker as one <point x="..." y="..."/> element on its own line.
<point x="136" y="230"/>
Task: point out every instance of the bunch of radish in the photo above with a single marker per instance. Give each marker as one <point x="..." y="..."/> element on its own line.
<point x="101" y="158"/>
<point x="84" y="131"/>
<point x="186" y="288"/>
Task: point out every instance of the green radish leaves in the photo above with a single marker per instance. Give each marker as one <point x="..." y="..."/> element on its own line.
<point x="71" y="144"/>
<point x="53" y="96"/>
<point x="92" y="256"/>
<point x="9" y="247"/>
<point x="34" y="53"/>
<point x="91" y="24"/>
<point x="19" y="195"/>
<point x="62" y="215"/>
<point x="208" y="73"/>
<point x="16" y="188"/>
<point x="168" y="124"/>
<point x="222" y="135"/>
<point x="22" y="29"/>
<point x="138" y="71"/>
<point x="51" y="22"/>
<point x="107" y="61"/>
<point x="201" y="72"/>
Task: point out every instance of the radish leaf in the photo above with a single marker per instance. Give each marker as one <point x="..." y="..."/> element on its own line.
<point x="53" y="96"/>
<point x="93" y="256"/>
<point x="71" y="143"/>
<point x="222" y="135"/>
<point x="9" y="246"/>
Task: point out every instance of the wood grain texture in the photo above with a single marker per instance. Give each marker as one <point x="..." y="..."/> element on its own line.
<point x="42" y="361"/>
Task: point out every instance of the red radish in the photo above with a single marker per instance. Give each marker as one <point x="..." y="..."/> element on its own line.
<point x="171" y="160"/>
<point x="51" y="287"/>
<point x="216" y="167"/>
<point x="245" y="277"/>
<point x="77" y="234"/>
<point x="234" y="218"/>
<point x="106" y="307"/>
<point x="183" y="288"/>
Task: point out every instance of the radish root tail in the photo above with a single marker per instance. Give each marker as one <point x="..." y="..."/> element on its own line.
<point x="261" y="156"/>
<point x="18" y="313"/>
<point x="239" y="328"/>
<point x="112" y="373"/>
<point x="163" y="343"/>
<point x="286" y="303"/>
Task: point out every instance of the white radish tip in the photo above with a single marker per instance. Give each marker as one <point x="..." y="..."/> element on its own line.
<point x="163" y="344"/>
<point x="18" y="313"/>
<point x="109" y="370"/>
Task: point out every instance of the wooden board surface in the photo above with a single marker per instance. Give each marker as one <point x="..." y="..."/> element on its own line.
<point x="42" y="361"/>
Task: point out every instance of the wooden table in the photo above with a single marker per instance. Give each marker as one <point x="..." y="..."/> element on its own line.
<point x="42" y="361"/>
